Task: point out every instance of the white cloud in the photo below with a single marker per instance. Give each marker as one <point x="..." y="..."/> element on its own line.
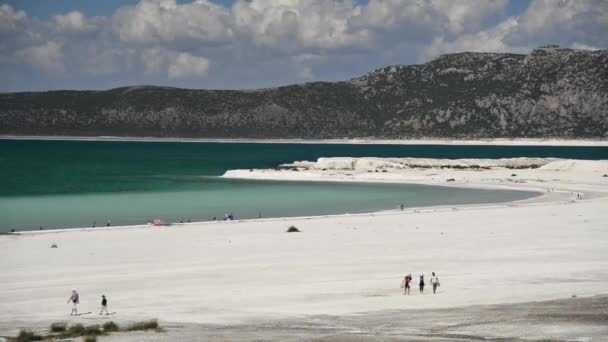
<point x="262" y="43"/>
<point x="73" y="21"/>
<point x="154" y="59"/>
<point x="155" y="21"/>
<point x="584" y="47"/>
<point x="578" y="24"/>
<point x="483" y="41"/>
<point x="299" y="24"/>
<point x="186" y="65"/>
<point x="10" y="19"/>
<point x="466" y="16"/>
<point x="48" y="57"/>
<point x="562" y="22"/>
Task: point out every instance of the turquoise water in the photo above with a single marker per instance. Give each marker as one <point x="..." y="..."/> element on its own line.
<point x="72" y="184"/>
<point x="245" y="199"/>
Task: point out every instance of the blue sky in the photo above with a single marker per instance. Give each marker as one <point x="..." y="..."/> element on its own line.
<point x="94" y="44"/>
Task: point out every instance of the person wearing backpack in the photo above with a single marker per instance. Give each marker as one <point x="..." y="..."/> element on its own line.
<point x="74" y="298"/>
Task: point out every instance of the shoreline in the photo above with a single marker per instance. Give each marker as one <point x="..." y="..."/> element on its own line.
<point x="540" y="197"/>
<point x="532" y="200"/>
<point x="354" y="141"/>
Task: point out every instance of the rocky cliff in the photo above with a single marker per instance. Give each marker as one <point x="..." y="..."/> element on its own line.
<point x="552" y="92"/>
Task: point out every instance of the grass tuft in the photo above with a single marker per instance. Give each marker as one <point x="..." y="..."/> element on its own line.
<point x="146" y="325"/>
<point x="110" y="327"/>
<point x="93" y="330"/>
<point x="76" y="330"/>
<point x="27" y="336"/>
<point x="59" y="327"/>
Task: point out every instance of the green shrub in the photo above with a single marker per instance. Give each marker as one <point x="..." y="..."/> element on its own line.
<point x="76" y="330"/>
<point x="146" y="325"/>
<point x="58" y="327"/>
<point x="26" y="336"/>
<point x="110" y="326"/>
<point x="93" y="330"/>
<point x="92" y="338"/>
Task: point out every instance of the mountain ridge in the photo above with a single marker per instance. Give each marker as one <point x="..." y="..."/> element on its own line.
<point x="550" y="93"/>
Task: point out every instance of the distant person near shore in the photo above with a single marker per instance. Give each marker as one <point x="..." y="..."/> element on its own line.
<point x="406" y="284"/>
<point x="421" y="283"/>
<point x="435" y="282"/>
<point x="104" y="305"/>
<point x="75" y="299"/>
<point x="108" y="223"/>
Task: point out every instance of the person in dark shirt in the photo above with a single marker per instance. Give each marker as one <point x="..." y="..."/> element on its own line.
<point x="104" y="305"/>
<point x="421" y="283"/>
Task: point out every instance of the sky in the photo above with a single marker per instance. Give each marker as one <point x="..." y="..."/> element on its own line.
<point x="239" y="44"/>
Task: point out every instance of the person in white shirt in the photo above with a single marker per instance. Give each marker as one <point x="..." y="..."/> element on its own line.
<point x="435" y="282"/>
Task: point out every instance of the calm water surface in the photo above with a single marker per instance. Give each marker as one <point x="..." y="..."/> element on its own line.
<point x="72" y="184"/>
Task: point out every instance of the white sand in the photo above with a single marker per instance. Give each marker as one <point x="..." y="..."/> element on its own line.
<point x="228" y="272"/>
<point x="357" y="141"/>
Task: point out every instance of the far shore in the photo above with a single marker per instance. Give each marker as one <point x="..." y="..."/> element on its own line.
<point x="354" y="141"/>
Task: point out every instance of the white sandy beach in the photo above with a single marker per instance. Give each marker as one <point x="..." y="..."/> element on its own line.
<point x="550" y="247"/>
<point x="356" y="141"/>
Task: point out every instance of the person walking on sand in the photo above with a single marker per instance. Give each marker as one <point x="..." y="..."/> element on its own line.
<point x="74" y="298"/>
<point x="435" y="282"/>
<point x="407" y="284"/>
<point x="421" y="283"/>
<point x="104" y="305"/>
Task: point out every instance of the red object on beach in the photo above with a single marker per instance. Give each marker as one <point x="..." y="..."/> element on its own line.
<point x="158" y="222"/>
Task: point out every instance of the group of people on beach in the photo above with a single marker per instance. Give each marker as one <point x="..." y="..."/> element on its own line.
<point x="75" y="300"/>
<point x="95" y="224"/>
<point x="406" y="284"/>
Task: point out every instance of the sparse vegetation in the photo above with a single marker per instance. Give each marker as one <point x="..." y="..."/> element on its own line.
<point x="61" y="330"/>
<point x="110" y="327"/>
<point x="146" y="325"/>
<point x="93" y="330"/>
<point x="76" y="330"/>
<point x="26" y="336"/>
<point x="59" y="327"/>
